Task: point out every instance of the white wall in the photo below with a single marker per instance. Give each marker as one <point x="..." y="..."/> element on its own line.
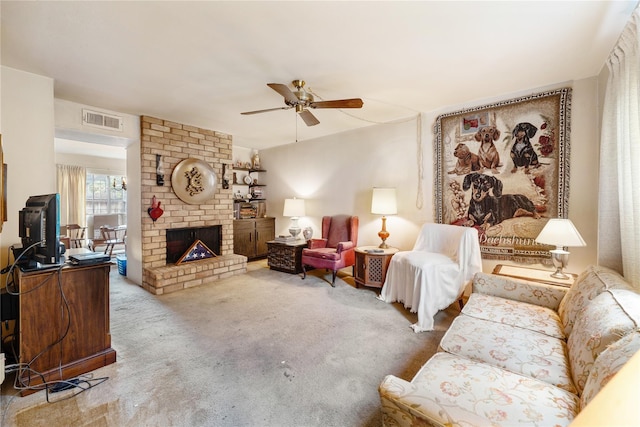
<point x="335" y="174"/>
<point x="68" y="123"/>
<point x="134" y="214"/>
<point x="27" y="140"/>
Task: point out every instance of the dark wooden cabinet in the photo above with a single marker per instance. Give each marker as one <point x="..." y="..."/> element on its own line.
<point x="286" y="257"/>
<point x="250" y="236"/>
<point x="63" y="322"/>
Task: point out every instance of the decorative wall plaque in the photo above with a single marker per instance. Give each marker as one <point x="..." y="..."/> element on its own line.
<point x="194" y="181"/>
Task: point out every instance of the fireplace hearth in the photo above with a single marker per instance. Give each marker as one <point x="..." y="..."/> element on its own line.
<point x="179" y="240"/>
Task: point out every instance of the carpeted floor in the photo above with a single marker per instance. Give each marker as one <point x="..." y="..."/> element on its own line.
<point x="260" y="349"/>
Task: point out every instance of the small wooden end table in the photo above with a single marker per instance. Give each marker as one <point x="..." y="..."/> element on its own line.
<point x="534" y="275"/>
<point x="371" y="265"/>
<point x="285" y="256"/>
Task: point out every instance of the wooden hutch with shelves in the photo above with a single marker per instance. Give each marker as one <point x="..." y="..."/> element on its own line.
<point x="252" y="229"/>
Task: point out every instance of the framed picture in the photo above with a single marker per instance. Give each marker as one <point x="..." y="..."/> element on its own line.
<point x="504" y="169"/>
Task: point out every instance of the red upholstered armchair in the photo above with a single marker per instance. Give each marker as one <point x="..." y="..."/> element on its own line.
<point x="336" y="249"/>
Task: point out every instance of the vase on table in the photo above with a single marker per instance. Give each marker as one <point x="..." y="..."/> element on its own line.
<point x="307" y="233"/>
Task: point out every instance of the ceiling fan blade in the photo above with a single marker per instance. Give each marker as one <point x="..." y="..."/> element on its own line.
<point x="246" y="113"/>
<point x="338" y="103"/>
<point x="283" y="90"/>
<point x="309" y="118"/>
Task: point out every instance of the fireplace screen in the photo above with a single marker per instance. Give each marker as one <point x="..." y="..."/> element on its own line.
<point x="179" y="240"/>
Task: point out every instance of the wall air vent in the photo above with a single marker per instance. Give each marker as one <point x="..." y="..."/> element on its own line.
<point x="101" y="120"/>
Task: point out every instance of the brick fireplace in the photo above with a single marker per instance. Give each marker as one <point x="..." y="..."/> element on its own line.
<point x="176" y="142"/>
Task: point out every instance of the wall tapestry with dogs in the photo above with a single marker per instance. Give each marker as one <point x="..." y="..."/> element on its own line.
<point x="504" y="169"/>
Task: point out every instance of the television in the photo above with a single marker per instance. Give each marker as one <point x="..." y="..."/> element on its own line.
<point x="39" y="225"/>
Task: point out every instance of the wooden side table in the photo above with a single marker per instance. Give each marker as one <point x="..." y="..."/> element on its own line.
<point x="371" y="265"/>
<point x="534" y="275"/>
<point x="286" y="257"/>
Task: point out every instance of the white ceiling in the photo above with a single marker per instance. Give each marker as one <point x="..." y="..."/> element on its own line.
<point x="203" y="63"/>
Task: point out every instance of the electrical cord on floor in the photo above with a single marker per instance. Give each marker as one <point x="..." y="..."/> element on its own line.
<point x="81" y="383"/>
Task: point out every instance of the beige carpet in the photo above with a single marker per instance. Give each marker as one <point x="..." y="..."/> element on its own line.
<point x="260" y="349"/>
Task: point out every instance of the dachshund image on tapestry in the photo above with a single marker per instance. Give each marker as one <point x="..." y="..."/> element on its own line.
<point x="522" y="152"/>
<point x="488" y="206"/>
<point x="488" y="154"/>
<point x="467" y="161"/>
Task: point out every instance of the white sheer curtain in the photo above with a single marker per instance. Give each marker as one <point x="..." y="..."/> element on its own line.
<point x="619" y="193"/>
<point x="72" y="186"/>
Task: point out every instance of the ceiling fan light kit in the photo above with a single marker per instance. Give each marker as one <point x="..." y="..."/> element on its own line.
<point x="302" y="100"/>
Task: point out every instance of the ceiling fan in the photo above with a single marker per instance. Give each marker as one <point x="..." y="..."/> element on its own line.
<point x="302" y="100"/>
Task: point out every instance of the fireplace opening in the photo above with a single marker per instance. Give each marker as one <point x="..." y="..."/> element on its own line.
<point x="179" y="240"/>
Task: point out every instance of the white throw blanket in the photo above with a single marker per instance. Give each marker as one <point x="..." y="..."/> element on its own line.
<point x="434" y="274"/>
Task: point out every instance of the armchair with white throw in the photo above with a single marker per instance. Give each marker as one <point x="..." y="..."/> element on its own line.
<point x="434" y="274"/>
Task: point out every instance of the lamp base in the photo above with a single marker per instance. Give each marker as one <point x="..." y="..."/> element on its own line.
<point x="383" y="234"/>
<point x="560" y="275"/>
<point x="560" y="260"/>
<point x="294" y="232"/>
<point x="294" y="229"/>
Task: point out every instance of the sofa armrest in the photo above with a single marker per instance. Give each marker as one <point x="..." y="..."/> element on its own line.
<point x="527" y="291"/>
<point x="402" y="404"/>
<point x="343" y="246"/>
<point x="317" y="243"/>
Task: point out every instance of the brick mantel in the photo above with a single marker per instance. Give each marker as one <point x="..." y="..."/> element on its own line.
<point x="176" y="142"/>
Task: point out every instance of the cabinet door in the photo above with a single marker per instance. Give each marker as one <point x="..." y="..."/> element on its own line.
<point x="376" y="269"/>
<point x="244" y="241"/>
<point x="360" y="268"/>
<point x="265" y="231"/>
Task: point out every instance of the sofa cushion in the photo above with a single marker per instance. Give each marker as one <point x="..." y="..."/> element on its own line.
<point x="453" y="390"/>
<point x="608" y="364"/>
<point x="519" y="350"/>
<point x="610" y="316"/>
<point x="535" y="293"/>
<point x="515" y="313"/>
<point x="588" y="285"/>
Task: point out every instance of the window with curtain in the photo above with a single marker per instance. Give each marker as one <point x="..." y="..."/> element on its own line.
<point x="103" y="198"/>
<point x="71" y="187"/>
<point x="619" y="193"/>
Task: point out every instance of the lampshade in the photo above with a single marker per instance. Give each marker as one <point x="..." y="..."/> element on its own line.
<point x="293" y="207"/>
<point x="560" y="232"/>
<point x="383" y="201"/>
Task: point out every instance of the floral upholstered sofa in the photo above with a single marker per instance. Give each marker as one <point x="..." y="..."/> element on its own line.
<point x="521" y="353"/>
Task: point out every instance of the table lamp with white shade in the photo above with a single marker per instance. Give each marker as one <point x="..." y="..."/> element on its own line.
<point x="560" y="233"/>
<point x="294" y="208"/>
<point x="383" y="202"/>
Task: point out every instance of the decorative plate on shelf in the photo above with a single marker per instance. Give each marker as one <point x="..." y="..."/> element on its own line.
<point x="194" y="181"/>
<point x="247" y="180"/>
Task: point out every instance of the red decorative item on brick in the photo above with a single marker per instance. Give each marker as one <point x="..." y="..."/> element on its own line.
<point x="155" y="211"/>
